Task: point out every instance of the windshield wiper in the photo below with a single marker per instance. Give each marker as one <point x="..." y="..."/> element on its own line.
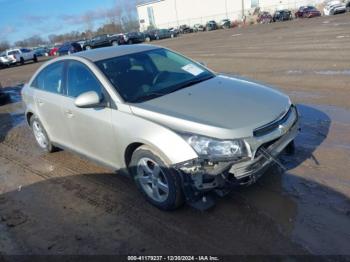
<point x="192" y="82"/>
<point x="153" y="95"/>
<point x="148" y="96"/>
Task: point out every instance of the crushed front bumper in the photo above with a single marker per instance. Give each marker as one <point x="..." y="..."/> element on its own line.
<point x="200" y="176"/>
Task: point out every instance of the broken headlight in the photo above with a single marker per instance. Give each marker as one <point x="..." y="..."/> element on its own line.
<point x="217" y="149"/>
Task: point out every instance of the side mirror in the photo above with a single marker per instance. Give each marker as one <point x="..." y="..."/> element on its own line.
<point x="87" y="99"/>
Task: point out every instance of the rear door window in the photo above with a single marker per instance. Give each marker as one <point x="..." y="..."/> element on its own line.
<point x="50" y="79"/>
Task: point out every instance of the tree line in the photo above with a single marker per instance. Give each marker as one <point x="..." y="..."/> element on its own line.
<point x="117" y="20"/>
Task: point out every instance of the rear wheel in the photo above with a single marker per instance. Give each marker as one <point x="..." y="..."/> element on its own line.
<point x="35" y="59"/>
<point x="160" y="184"/>
<point x="41" y="136"/>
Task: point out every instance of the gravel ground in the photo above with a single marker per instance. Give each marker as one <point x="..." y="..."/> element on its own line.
<point x="62" y="204"/>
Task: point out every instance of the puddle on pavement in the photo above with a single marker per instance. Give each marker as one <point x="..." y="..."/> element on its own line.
<point x="345" y="72"/>
<point x="14" y="108"/>
<point x="295" y="72"/>
<point x="325" y="113"/>
<point x="14" y="93"/>
<point x="333" y="72"/>
<point x="302" y="94"/>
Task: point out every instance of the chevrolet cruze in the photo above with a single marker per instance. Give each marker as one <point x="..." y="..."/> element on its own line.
<point x="179" y="129"/>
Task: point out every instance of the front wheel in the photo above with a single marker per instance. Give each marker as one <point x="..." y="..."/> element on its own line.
<point x="160" y="185"/>
<point x="35" y="59"/>
<point x="41" y="136"/>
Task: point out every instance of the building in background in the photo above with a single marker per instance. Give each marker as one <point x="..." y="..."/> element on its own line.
<point x="173" y="13"/>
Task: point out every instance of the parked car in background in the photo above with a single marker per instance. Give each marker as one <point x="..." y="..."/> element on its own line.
<point x="134" y="38"/>
<point x="69" y="48"/>
<point x="348" y="6"/>
<point x="144" y="123"/>
<point x="81" y="43"/>
<point x="164" y="33"/>
<point x="41" y="51"/>
<point x="174" y="30"/>
<point x="185" y="29"/>
<point x="53" y="50"/>
<point x="150" y="35"/>
<point x="282" y="15"/>
<point x="225" y="23"/>
<point x="211" y="25"/>
<point x="7" y="60"/>
<point x="307" y="12"/>
<point x="4" y="62"/>
<point x="158" y="34"/>
<point x="334" y="8"/>
<point x="103" y="41"/>
<point x="198" y="28"/>
<point x="22" y="55"/>
<point x="264" y="18"/>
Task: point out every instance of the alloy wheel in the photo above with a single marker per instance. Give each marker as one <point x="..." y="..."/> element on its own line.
<point x="152" y="179"/>
<point x="40" y="135"/>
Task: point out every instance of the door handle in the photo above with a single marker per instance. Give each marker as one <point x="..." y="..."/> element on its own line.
<point x="69" y="113"/>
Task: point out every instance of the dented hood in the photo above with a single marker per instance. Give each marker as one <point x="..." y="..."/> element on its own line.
<point x="222" y="107"/>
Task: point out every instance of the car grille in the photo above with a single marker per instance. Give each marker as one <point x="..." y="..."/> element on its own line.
<point x="266" y="129"/>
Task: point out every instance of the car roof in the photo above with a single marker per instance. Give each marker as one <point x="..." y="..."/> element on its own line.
<point x="114" y="51"/>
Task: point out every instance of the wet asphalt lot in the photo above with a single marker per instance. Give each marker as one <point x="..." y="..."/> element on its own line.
<point x="63" y="204"/>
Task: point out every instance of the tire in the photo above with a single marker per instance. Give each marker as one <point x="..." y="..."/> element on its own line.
<point x="21" y="61"/>
<point x="160" y="185"/>
<point x="114" y="43"/>
<point x="35" y="59"/>
<point x="130" y="42"/>
<point x="45" y="144"/>
<point x="148" y="39"/>
<point x="87" y="47"/>
<point x="172" y="36"/>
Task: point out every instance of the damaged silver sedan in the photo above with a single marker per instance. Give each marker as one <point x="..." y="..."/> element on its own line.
<point x="181" y="130"/>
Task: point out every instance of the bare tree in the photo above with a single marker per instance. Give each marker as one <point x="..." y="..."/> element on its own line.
<point x="32" y="41"/>
<point x="4" y="45"/>
<point x="88" y="19"/>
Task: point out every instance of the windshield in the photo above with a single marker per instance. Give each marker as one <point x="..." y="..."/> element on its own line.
<point x="146" y="75"/>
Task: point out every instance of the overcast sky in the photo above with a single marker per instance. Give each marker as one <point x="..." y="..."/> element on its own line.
<point x="21" y="19"/>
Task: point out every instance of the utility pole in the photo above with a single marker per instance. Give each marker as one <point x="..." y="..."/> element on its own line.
<point x="242" y="9"/>
<point x="177" y="16"/>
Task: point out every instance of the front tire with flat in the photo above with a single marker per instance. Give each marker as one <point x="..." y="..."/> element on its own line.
<point x="160" y="184"/>
<point x="41" y="136"/>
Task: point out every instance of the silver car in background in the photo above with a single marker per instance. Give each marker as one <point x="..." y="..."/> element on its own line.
<point x="178" y="128"/>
